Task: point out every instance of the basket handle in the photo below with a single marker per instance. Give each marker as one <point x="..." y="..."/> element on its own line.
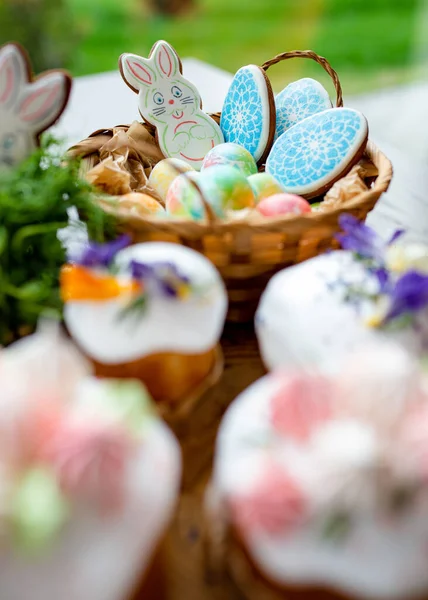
<point x="318" y="59"/>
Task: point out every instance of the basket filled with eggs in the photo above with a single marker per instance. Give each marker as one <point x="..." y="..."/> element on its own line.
<point x="255" y="188"/>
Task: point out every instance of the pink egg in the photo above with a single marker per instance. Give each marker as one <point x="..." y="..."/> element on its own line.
<point x="283" y="204"/>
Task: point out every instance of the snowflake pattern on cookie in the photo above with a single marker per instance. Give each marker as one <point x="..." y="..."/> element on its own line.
<point x="313" y="154"/>
<point x="248" y="111"/>
<point x="299" y="100"/>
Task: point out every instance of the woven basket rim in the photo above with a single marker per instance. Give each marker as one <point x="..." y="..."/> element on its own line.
<point x="197" y="229"/>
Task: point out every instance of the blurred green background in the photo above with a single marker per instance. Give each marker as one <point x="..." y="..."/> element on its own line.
<point x="371" y="43"/>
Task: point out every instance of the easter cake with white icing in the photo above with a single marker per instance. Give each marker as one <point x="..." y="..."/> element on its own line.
<point x="315" y="313"/>
<point x="89" y="478"/>
<point x="152" y="311"/>
<point x="321" y="483"/>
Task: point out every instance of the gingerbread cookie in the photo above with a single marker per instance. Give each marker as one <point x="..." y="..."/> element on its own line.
<point x="248" y="115"/>
<point x="171" y="103"/>
<point x="27" y="106"/>
<point x="310" y="156"/>
<point x="299" y="100"/>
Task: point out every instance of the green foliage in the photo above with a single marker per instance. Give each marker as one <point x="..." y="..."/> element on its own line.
<point x="368" y="43"/>
<point x="43" y="27"/>
<point x="34" y="198"/>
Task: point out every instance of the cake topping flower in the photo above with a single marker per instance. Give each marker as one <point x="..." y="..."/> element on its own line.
<point x="276" y="504"/>
<point x="401" y="274"/>
<point x="65" y="437"/>
<point x="357" y="453"/>
<point x="300" y="404"/>
<point x="100" y="255"/>
<point x="94" y="275"/>
<point x="90" y="460"/>
<point x="360" y="238"/>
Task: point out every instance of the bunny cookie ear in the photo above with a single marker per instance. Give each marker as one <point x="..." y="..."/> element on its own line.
<point x="136" y="71"/>
<point x="43" y="101"/>
<point x="15" y="72"/>
<point x="166" y="59"/>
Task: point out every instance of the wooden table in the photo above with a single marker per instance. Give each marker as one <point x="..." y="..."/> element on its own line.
<point x="103" y="101"/>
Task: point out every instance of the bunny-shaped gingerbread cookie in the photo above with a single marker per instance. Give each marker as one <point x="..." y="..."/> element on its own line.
<point x="27" y="106"/>
<point x="171" y="103"/>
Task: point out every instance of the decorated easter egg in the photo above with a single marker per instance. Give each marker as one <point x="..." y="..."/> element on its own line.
<point x="141" y="204"/>
<point x="248" y="114"/>
<point x="299" y="100"/>
<point x="264" y="185"/>
<point x="283" y="204"/>
<point x="232" y="155"/>
<point x="226" y="189"/>
<point x="164" y="172"/>
<point x="183" y="198"/>
<point x="310" y="156"/>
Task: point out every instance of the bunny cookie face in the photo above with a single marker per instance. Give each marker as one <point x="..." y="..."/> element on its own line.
<point x="171" y="103"/>
<point x="27" y="107"/>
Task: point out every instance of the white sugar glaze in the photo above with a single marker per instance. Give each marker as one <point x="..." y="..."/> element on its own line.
<point x="191" y="325"/>
<point x="97" y="555"/>
<point x="379" y="559"/>
<point x="304" y="320"/>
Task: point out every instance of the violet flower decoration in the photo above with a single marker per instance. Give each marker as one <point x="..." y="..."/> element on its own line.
<point x="363" y="240"/>
<point x="360" y="238"/>
<point x="383" y="277"/>
<point x="164" y="275"/>
<point x="101" y="255"/>
<point x="409" y="295"/>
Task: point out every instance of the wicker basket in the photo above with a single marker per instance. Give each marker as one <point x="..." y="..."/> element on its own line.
<point x="248" y="252"/>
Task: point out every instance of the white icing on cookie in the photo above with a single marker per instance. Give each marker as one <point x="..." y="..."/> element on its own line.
<point x="248" y="114"/>
<point x="283" y="493"/>
<point x="27" y="107"/>
<point x="310" y="156"/>
<point x="171" y="103"/>
<point x="304" y="320"/>
<point x="187" y="325"/>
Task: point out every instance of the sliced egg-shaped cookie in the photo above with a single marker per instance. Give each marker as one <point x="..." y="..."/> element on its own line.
<point x="310" y="156"/>
<point x="298" y="100"/>
<point x="248" y="115"/>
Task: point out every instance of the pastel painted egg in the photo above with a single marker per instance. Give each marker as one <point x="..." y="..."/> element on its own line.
<point x="248" y="113"/>
<point x="264" y="185"/>
<point x="226" y="189"/>
<point x="142" y="204"/>
<point x="164" y="173"/>
<point x="283" y="204"/>
<point x="299" y="100"/>
<point x="183" y="199"/>
<point x="310" y="156"/>
<point x="231" y="155"/>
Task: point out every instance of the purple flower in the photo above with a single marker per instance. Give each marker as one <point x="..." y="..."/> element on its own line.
<point x="101" y="255"/>
<point x="383" y="277"/>
<point x="164" y="275"/>
<point x="360" y="238"/>
<point x="395" y="236"/>
<point x="363" y="240"/>
<point x="140" y="270"/>
<point x="409" y="295"/>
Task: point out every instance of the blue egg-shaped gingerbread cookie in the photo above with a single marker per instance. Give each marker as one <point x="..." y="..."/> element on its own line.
<point x="310" y="156"/>
<point x="298" y="100"/>
<point x="248" y="114"/>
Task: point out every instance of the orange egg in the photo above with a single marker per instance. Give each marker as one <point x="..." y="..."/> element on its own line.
<point x="79" y="283"/>
<point x="142" y="204"/>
